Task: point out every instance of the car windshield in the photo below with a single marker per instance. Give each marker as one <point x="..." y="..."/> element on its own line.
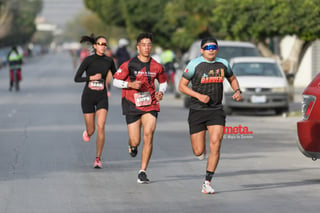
<point x="256" y="69"/>
<point x="228" y="52"/>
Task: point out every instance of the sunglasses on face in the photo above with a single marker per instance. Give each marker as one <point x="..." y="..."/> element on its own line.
<point x="101" y="44"/>
<point x="210" y="47"/>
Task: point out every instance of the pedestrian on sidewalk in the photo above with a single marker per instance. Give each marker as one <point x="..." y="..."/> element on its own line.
<point x="206" y="73"/>
<point x="140" y="101"/>
<point x="98" y="69"/>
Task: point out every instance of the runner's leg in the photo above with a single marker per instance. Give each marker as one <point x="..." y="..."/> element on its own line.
<point x="89" y="121"/>
<point x="198" y="141"/>
<point x="215" y="135"/>
<point x="134" y="133"/>
<point x="101" y="121"/>
<point x="149" y="125"/>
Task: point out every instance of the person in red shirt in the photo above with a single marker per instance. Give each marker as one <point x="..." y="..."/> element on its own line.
<point x="140" y="100"/>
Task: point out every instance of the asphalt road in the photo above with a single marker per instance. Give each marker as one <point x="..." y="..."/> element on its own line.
<point x="46" y="167"/>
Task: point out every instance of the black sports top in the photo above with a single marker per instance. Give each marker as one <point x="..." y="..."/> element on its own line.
<point x="92" y="65"/>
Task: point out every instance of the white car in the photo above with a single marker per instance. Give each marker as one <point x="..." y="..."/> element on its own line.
<point x="262" y="82"/>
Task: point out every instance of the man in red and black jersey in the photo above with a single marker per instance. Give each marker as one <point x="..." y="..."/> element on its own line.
<point x="140" y="100"/>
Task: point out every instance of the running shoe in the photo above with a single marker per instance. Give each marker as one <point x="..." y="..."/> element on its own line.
<point x="85" y="136"/>
<point x="97" y="163"/>
<point x="133" y="151"/>
<point x="203" y="155"/>
<point x="207" y="188"/>
<point x="142" y="177"/>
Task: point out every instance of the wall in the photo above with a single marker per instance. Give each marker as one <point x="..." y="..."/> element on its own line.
<point x="310" y="64"/>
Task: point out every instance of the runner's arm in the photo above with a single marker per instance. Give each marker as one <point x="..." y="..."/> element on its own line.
<point x="125" y="84"/>
<point x="163" y="87"/>
<point x="78" y="77"/>
<point x="120" y="83"/>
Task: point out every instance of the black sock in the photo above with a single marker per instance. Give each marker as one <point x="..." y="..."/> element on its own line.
<point x="209" y="175"/>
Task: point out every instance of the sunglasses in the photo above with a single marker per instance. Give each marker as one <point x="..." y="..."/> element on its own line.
<point x="210" y="47"/>
<point x="101" y="44"/>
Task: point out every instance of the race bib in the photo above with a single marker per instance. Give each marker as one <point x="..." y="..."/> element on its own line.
<point x="96" y="85"/>
<point x="142" y="99"/>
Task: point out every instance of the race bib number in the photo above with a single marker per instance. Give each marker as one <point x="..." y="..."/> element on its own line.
<point x="96" y="85"/>
<point x="142" y="99"/>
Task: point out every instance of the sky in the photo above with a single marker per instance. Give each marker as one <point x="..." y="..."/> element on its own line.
<point x="59" y="12"/>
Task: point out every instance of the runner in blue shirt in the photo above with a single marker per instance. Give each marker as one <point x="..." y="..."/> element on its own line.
<point x="206" y="73"/>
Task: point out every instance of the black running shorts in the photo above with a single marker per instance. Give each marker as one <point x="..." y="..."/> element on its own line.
<point x="200" y="119"/>
<point x="90" y="103"/>
<point x="133" y="118"/>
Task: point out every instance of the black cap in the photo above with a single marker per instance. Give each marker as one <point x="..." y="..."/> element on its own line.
<point x="208" y="40"/>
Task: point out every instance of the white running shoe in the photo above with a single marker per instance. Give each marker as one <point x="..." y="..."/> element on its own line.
<point x="203" y="155"/>
<point x="207" y="188"/>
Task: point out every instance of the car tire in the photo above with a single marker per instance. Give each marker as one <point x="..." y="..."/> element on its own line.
<point x="281" y="111"/>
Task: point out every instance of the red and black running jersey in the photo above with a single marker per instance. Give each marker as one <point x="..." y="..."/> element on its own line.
<point x="147" y="73"/>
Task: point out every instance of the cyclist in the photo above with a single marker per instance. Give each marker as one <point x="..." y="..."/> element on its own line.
<point x="15" y="60"/>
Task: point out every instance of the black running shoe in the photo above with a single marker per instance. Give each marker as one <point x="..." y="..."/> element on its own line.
<point x="133" y="151"/>
<point x="142" y="177"/>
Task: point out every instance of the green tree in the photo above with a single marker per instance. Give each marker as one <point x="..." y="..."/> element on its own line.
<point x="134" y="16"/>
<point x="189" y="19"/>
<point x="18" y="17"/>
<point x="85" y="23"/>
<point x="179" y="22"/>
<point x="260" y="21"/>
<point x="5" y="18"/>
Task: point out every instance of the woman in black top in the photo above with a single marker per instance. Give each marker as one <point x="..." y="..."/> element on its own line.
<point x="98" y="69"/>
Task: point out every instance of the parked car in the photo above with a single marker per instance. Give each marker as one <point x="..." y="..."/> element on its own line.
<point x="308" y="128"/>
<point x="263" y="84"/>
<point x="227" y="50"/>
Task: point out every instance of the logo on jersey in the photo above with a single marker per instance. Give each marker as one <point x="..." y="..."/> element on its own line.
<point x="186" y="70"/>
<point x="213" y="76"/>
<point x="119" y="70"/>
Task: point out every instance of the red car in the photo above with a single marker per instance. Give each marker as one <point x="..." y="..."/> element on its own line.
<point x="309" y="128"/>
